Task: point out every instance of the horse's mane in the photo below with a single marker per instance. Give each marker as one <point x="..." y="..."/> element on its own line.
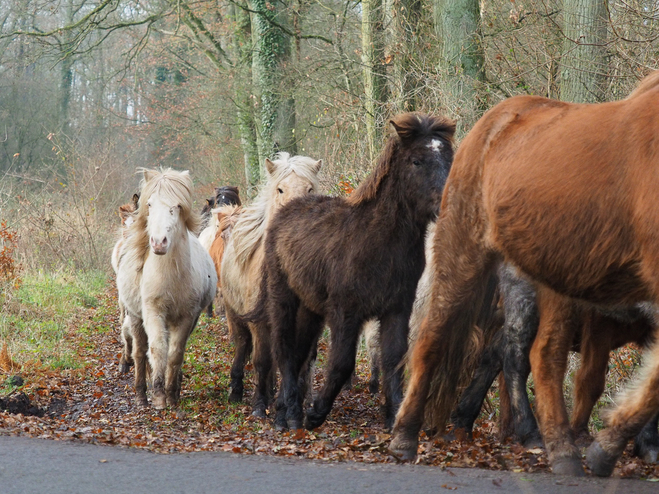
<point x="228" y="216"/>
<point x="650" y="82"/>
<point x="408" y="127"/>
<point x="174" y="188"/>
<point x="250" y="228"/>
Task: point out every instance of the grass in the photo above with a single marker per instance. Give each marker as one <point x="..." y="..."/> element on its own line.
<point x="36" y="317"/>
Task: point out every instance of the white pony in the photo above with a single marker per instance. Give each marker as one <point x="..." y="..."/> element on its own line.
<point x="288" y="177"/>
<point x="127" y="215"/>
<point x="165" y="279"/>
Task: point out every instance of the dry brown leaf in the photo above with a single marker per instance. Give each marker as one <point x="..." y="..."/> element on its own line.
<point x="7" y="365"/>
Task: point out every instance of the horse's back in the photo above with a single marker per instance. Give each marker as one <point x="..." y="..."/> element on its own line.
<point x="563" y="186"/>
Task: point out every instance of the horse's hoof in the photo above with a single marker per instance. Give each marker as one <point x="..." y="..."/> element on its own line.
<point x="124" y="368"/>
<point x="389" y="423"/>
<point x="568" y="466"/>
<point x="159" y="402"/>
<point x="402" y="449"/>
<point x="142" y="402"/>
<point x="235" y="397"/>
<point x="533" y="442"/>
<point x="172" y="401"/>
<point x="313" y="419"/>
<point x="373" y="387"/>
<point x="281" y="425"/>
<point x="259" y="412"/>
<point x="294" y="424"/>
<point x="649" y="454"/>
<point x="599" y="461"/>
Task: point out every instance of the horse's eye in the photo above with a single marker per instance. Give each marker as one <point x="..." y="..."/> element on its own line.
<point x="148" y="204"/>
<point x="279" y="190"/>
<point x="310" y="190"/>
<point x="416" y="162"/>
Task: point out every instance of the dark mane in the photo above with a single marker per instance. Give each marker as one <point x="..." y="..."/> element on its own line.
<point x="408" y="127"/>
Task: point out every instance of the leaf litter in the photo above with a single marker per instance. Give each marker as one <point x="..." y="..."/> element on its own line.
<point x="95" y="404"/>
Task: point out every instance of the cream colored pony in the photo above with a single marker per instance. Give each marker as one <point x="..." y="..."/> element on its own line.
<point x="288" y="178"/>
<point x="165" y="279"/>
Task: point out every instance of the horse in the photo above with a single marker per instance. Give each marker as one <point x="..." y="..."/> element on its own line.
<point x="126" y="214"/>
<point x="165" y="279"/>
<point x="226" y="218"/>
<point x="344" y="261"/>
<point x="509" y="353"/>
<point x="224" y="196"/>
<point x="288" y="177"/>
<point x="565" y="192"/>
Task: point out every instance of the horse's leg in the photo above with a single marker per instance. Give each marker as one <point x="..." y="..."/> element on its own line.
<point x="461" y="271"/>
<point x="282" y="308"/>
<point x="312" y="324"/>
<point x="209" y="310"/>
<point x="178" y="337"/>
<point x="242" y="341"/>
<point x="637" y="407"/>
<point x="471" y="401"/>
<point x="521" y="327"/>
<point x="591" y="376"/>
<point x="548" y="363"/>
<point x="262" y="360"/>
<point x="372" y="336"/>
<point x="127" y="354"/>
<point x="646" y="443"/>
<point x="341" y="363"/>
<point x="506" y="428"/>
<point x="158" y="336"/>
<point x="393" y="347"/>
<point x="140" y="347"/>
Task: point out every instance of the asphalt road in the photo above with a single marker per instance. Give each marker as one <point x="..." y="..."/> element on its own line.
<point x="42" y="466"/>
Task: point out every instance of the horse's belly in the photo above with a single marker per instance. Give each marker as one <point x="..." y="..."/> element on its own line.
<point x="572" y="245"/>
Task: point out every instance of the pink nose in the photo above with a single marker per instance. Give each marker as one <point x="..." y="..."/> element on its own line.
<point x="159" y="246"/>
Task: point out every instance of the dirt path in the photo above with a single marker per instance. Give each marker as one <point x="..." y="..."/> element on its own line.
<point x="94" y="404"/>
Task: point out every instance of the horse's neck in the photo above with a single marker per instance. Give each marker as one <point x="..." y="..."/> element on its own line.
<point x="395" y="213"/>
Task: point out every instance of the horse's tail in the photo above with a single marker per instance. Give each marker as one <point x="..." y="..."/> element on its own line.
<point x="464" y="358"/>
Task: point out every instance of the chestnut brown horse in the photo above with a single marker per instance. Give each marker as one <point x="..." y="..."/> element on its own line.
<point x="226" y="217"/>
<point x="567" y="193"/>
<point x="344" y="261"/>
<point x="599" y="332"/>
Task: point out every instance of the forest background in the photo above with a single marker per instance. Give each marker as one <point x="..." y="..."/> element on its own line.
<point x="92" y="89"/>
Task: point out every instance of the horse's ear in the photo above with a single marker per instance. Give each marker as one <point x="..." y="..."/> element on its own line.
<point x="149" y="174"/>
<point x="317" y="165"/>
<point x="402" y="131"/>
<point x="136" y="199"/>
<point x="270" y="166"/>
<point x="208" y="201"/>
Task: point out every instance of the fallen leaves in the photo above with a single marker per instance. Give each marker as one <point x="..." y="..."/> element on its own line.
<point x="96" y="404"/>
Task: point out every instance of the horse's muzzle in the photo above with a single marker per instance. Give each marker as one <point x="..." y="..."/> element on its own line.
<point x="159" y="248"/>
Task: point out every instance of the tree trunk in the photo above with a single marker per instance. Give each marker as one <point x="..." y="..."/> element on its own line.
<point x="374" y="71"/>
<point x="242" y="45"/>
<point x="405" y="17"/>
<point x="270" y="50"/>
<point x="584" y="63"/>
<point x="457" y="25"/>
